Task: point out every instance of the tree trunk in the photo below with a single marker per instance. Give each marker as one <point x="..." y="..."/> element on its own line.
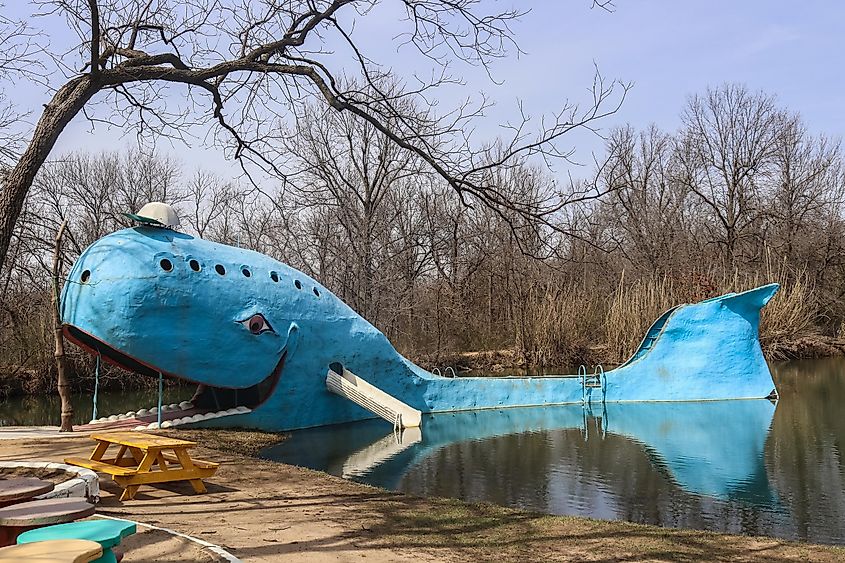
<point x="67" y="102"/>
<point x="61" y="364"/>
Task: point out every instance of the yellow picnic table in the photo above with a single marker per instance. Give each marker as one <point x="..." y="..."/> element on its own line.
<point x="144" y="459"/>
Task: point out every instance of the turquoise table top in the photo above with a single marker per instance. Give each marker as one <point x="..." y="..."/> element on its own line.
<point x="107" y="533"/>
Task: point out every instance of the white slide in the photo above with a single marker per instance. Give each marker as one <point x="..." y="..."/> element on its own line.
<point x="373" y="399"/>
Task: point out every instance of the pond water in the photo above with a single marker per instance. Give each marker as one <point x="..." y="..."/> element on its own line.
<point x="751" y="467"/>
<point x="42" y="410"/>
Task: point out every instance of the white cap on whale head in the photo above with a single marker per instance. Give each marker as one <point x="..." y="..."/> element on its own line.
<point x="157" y="214"/>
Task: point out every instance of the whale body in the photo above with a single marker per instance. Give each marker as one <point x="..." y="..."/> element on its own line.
<point x="255" y="332"/>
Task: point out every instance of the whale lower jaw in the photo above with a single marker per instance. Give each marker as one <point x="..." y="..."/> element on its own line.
<point x="172" y="416"/>
<point x="209" y="403"/>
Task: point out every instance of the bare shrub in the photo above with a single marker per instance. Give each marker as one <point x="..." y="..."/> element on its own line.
<point x="560" y="326"/>
<point x="633" y="307"/>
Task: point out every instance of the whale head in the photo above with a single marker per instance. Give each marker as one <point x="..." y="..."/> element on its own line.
<point x="152" y="300"/>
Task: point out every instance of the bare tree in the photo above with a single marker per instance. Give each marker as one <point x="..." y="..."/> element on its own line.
<point x="247" y="64"/>
<point x="346" y="171"/>
<point x="647" y="207"/>
<point x="726" y="153"/>
<point x="807" y="182"/>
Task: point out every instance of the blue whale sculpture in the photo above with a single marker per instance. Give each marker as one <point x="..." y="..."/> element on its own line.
<point x="255" y="332"/>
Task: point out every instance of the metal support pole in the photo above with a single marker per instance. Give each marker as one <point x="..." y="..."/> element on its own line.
<point x="160" y="387"/>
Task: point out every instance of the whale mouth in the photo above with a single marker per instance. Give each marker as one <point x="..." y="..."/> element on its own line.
<point x="208" y="402"/>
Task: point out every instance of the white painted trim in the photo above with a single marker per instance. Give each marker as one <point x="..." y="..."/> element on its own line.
<point x="215" y="549"/>
<point x="86" y="484"/>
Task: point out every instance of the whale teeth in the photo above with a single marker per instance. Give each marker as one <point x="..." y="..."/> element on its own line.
<point x="243" y="410"/>
<point x="173" y="406"/>
<point x="130" y="414"/>
<point x="142" y="427"/>
<point x="152" y="426"/>
<point x="186" y="405"/>
<point x="166" y="424"/>
<point x="143" y="412"/>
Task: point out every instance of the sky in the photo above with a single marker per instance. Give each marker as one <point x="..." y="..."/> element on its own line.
<point x="666" y="49"/>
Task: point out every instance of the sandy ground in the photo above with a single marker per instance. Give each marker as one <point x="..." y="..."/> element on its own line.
<point x="263" y="511"/>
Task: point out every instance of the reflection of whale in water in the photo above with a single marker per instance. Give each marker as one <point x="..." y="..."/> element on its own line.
<point x="707" y="448"/>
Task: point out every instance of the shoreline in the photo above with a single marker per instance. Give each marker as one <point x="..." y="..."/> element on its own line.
<point x="489" y="362"/>
<point x="507" y="359"/>
<point x="267" y="511"/>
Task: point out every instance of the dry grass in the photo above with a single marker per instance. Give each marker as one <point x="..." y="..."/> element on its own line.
<point x="568" y="325"/>
<point x="559" y="327"/>
<point x="632" y="309"/>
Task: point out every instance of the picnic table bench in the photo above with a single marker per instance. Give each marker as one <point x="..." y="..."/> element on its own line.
<point x="53" y="551"/>
<point x="22" y="488"/>
<point x="145" y="459"/>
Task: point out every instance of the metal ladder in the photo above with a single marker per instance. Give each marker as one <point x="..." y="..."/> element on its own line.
<point x="596" y="381"/>
<point x="589" y="382"/>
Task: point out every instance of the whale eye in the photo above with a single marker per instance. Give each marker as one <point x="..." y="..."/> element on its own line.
<point x="257" y="324"/>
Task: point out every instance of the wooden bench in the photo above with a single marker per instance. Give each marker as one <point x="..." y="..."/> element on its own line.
<point x="53" y="551"/>
<point x="145" y="459"/>
<point x="101" y="466"/>
<point x="170" y="458"/>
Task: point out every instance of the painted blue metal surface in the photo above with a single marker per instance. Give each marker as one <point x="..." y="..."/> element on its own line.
<point x="160" y="300"/>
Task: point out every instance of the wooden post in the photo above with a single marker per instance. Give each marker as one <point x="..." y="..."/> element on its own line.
<point x="61" y="364"/>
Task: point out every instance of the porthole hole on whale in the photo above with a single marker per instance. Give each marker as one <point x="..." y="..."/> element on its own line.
<point x="316" y="291"/>
<point x="298" y="284"/>
<point x="206" y="398"/>
<point x="246" y="272"/>
<point x="166" y="265"/>
<point x="274" y="276"/>
<point x="220" y="269"/>
<point x="194" y="265"/>
<point x="86" y="275"/>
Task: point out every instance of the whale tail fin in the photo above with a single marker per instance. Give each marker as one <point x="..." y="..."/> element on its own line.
<point x="751" y="302"/>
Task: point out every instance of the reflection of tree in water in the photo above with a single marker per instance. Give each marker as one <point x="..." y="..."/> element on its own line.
<point x="804" y="451"/>
<point x="613" y="478"/>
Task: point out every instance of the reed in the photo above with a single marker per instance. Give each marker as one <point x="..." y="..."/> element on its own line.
<point x="569" y="325"/>
<point x="559" y="326"/>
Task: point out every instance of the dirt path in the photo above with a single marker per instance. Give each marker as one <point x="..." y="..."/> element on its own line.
<point x="263" y="511"/>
